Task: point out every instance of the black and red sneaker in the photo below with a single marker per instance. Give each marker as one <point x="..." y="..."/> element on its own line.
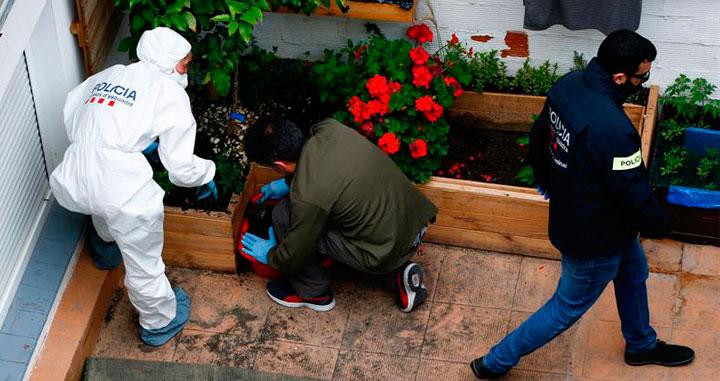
<point x="282" y="293"/>
<point x="410" y="292"/>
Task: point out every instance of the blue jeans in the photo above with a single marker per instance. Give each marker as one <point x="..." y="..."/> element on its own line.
<point x="581" y="283"/>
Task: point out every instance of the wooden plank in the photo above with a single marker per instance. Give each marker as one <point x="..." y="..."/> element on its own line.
<point x="365" y="11"/>
<point x="97" y="24"/>
<point x="448" y="200"/>
<point x="483" y="240"/>
<point x="77" y="322"/>
<point x="513" y="112"/>
<point x="647" y="133"/>
<point x="199" y="251"/>
<point x="472" y="220"/>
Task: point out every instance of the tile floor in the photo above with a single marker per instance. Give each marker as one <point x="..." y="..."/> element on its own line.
<point x="476" y="298"/>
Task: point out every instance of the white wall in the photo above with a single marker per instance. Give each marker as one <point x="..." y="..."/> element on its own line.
<point x="686" y="33"/>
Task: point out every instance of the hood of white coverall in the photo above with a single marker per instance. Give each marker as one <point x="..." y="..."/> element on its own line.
<point x="163" y="48"/>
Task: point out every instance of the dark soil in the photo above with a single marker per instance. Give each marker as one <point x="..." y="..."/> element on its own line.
<point x="484" y="155"/>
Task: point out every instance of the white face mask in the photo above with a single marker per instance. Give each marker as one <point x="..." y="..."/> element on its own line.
<point x="182" y="79"/>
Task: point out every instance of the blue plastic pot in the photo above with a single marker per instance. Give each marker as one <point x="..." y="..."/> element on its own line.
<point x="699" y="140"/>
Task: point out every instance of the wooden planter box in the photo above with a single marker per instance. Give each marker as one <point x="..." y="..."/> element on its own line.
<point x="199" y="239"/>
<point x="493" y="216"/>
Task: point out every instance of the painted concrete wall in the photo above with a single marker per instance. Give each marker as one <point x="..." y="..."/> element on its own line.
<point x="686" y="33"/>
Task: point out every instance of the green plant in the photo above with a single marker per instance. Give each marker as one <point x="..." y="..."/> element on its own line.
<point x="674" y="160"/>
<point x="162" y="178"/>
<point x="535" y="80"/>
<point x="230" y="174"/>
<point x="690" y="98"/>
<point x="526" y="176"/>
<point x="672" y="130"/>
<point x="395" y="93"/>
<point x="579" y="62"/>
<point x="488" y="72"/>
<point x="219" y="30"/>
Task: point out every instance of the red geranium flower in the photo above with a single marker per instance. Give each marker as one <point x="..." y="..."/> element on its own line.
<point x="377" y="86"/>
<point x="424" y="104"/>
<point x="452" y="82"/>
<point x="419" y="56"/>
<point x="367" y="128"/>
<point x="389" y="143"/>
<point x="422" y="76"/>
<point x="377" y="107"/>
<point x="454" y="40"/>
<point x="395" y="87"/>
<point x="421" y="33"/>
<point x="418" y="149"/>
<point x="359" y="51"/>
<point x="435" y="113"/>
<point x="359" y="109"/>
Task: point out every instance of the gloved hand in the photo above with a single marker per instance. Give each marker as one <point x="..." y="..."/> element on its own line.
<point x="274" y="191"/>
<point x="257" y="247"/>
<point x="207" y="190"/>
<point x="543" y="193"/>
<point x="151" y="148"/>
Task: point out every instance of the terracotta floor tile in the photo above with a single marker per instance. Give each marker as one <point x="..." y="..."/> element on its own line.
<point x="662" y="295"/>
<point x="215" y="348"/>
<point x="185" y="278"/>
<point x="361" y="366"/>
<point x="377" y="325"/>
<point x="431" y="257"/>
<point x="701" y="259"/>
<point x="303" y="325"/>
<point x="663" y="255"/>
<point x="604" y="356"/>
<point x="434" y="370"/>
<point x="463" y="333"/>
<point x="538" y="281"/>
<point x="119" y="335"/>
<point x="563" y="355"/>
<point x="296" y="360"/>
<point x="478" y="278"/>
<point x="707" y="351"/>
<point x="230" y="304"/>
<point x="699" y="303"/>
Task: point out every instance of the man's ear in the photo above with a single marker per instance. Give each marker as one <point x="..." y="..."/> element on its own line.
<point x="285" y="166"/>
<point x="619" y="78"/>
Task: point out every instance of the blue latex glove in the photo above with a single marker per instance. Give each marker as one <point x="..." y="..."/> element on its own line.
<point x="257" y="247"/>
<point x="274" y="191"/>
<point x="151" y="148"/>
<point x="543" y="193"/>
<point x="207" y="190"/>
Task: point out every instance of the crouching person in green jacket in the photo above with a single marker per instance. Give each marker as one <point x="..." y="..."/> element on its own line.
<point x="342" y="198"/>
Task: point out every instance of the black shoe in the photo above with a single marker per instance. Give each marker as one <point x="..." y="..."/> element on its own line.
<point x="408" y="285"/>
<point x="663" y="354"/>
<point x="483" y="373"/>
<point x="282" y="293"/>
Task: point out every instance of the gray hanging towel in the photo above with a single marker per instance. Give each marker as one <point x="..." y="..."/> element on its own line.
<point x="606" y="16"/>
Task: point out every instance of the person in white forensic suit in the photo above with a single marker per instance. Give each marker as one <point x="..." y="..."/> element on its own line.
<point x="111" y="118"/>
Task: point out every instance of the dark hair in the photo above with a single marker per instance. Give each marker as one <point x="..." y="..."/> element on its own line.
<point x="271" y="138"/>
<point x="623" y="51"/>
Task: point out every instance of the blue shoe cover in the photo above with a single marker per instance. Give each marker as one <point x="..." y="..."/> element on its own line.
<point x="105" y="255"/>
<point x="160" y="336"/>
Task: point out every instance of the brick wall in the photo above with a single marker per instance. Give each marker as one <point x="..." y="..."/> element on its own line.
<point x="687" y="34"/>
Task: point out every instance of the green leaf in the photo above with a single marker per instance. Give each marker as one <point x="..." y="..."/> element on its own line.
<point x="232" y="27"/>
<point x="176" y="7"/>
<point x="179" y="22"/>
<point x="222" y="18"/>
<point x="245" y="32"/>
<point x="221" y="80"/>
<point x="187" y="3"/>
<point x="147" y="14"/>
<point x="206" y="79"/>
<point x="136" y="24"/>
<point x="263" y="5"/>
<point x="190" y="20"/>
<point x="236" y="7"/>
<point x="125" y="44"/>
<point x="252" y="16"/>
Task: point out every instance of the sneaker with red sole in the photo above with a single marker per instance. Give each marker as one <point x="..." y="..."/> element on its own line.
<point x="410" y="292"/>
<point x="282" y="293"/>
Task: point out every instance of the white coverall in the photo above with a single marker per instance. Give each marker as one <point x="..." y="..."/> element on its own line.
<point x="110" y="118"/>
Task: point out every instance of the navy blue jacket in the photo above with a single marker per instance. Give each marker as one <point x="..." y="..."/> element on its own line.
<point x="586" y="153"/>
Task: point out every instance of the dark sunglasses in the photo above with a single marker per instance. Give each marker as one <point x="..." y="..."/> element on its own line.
<point x="642" y="77"/>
